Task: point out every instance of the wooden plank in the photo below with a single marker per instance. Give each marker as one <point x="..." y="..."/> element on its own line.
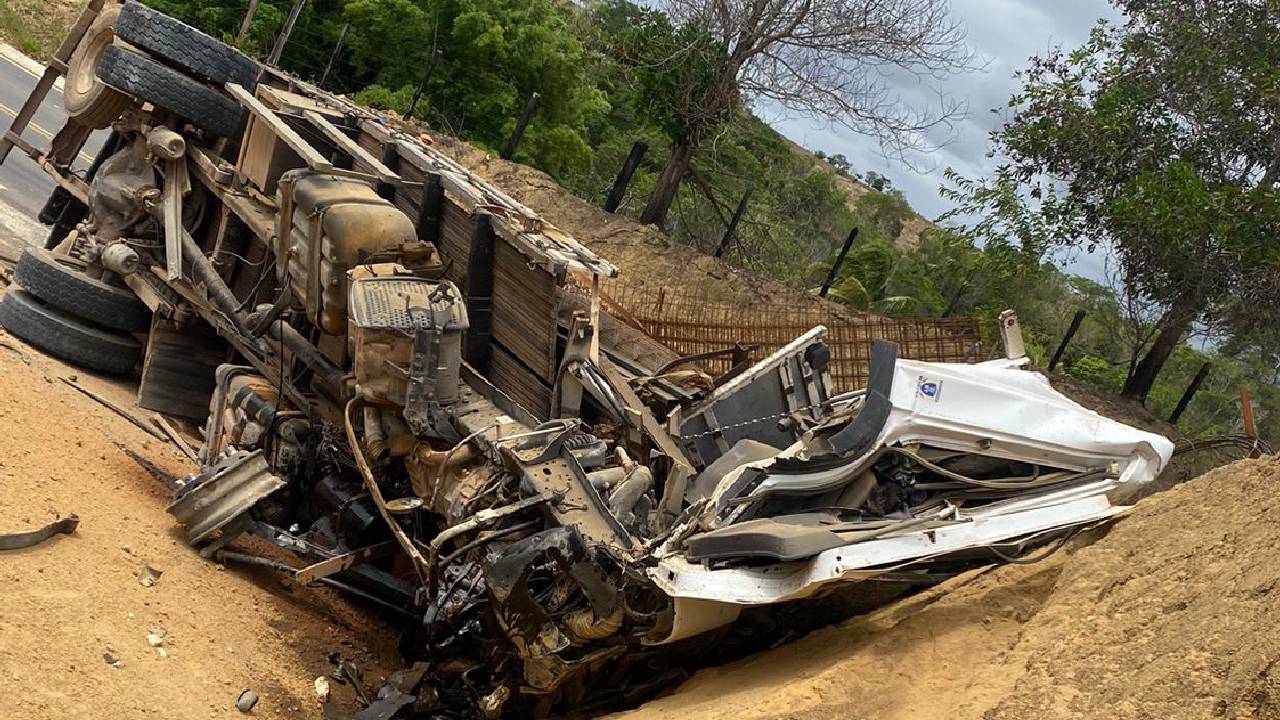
<point x="524" y="312"/>
<point x="351" y="147"/>
<point x="512" y="378"/>
<point x="309" y="154"/>
<point x="57" y="66"/>
<point x="546" y="245"/>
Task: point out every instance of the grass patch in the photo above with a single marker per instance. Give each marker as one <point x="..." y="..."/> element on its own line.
<point x="36" y="27"/>
<point x="16" y="30"/>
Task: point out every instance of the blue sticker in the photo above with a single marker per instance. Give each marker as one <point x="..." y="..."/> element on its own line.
<point x="931" y="389"/>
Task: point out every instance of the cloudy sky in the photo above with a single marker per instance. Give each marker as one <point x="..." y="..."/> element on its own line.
<point x="1005" y="33"/>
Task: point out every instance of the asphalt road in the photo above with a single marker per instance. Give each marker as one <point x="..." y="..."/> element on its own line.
<point x="23" y="185"/>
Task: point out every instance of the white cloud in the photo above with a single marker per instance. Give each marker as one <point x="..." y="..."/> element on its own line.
<point x="1006" y="33"/>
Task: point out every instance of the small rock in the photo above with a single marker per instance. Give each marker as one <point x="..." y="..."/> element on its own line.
<point x="246" y="701"/>
<point x="322" y="688"/>
<point x="155" y="639"/>
<point x="161" y="652"/>
<point x="112" y="660"/>
<point x="149" y="576"/>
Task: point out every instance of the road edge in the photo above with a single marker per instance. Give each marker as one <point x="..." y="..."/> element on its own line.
<point x="25" y="62"/>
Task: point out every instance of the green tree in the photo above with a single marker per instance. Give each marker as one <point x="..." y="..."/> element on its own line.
<point x="495" y="54"/>
<point x="1156" y="141"/>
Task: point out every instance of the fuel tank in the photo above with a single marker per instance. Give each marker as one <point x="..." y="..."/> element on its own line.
<point x="338" y="223"/>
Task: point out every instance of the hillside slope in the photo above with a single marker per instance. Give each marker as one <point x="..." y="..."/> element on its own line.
<point x="643" y="254"/>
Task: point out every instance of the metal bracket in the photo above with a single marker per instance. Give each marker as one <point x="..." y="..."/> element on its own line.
<point x="422" y="411"/>
<point x="220" y="498"/>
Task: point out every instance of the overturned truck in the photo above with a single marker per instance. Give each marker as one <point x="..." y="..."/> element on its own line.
<point x="404" y="379"/>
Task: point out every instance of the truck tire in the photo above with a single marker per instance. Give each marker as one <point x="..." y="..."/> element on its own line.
<point x="165" y="87"/>
<point x="67" y="337"/>
<point x="180" y="369"/>
<point x="185" y="47"/>
<point x="39" y="273"/>
<point x="86" y="98"/>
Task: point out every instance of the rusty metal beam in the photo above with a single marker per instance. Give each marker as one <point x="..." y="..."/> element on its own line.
<point x="345" y="561"/>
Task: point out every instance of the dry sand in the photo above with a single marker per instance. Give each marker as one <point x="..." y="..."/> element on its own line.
<point x="66" y="602"/>
<point x="1172" y="615"/>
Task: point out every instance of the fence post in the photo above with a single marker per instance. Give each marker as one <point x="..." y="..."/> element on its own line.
<point x="278" y="49"/>
<point x="510" y="150"/>
<point x="1062" y="346"/>
<point x="478" y="351"/>
<point x="342" y="37"/>
<point x="835" y="268"/>
<point x="422" y="84"/>
<point x="620" y="184"/>
<point x="1189" y="393"/>
<point x="248" y="20"/>
<point x="733" y="222"/>
<point x="1246" y="411"/>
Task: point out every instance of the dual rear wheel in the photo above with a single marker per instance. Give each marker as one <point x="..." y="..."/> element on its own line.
<point x="131" y="51"/>
<point x="58" y="308"/>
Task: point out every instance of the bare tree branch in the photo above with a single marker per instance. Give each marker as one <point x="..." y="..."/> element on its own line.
<point x="832" y="60"/>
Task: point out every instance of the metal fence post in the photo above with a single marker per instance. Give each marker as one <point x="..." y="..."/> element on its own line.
<point x="342" y="37"/>
<point x="1189" y="393"/>
<point x="510" y="150"/>
<point x="1062" y="346"/>
<point x="835" y="268"/>
<point x="422" y="84"/>
<point x="247" y="21"/>
<point x="278" y="49"/>
<point x="1246" y="412"/>
<point x="620" y="183"/>
<point x="733" y="223"/>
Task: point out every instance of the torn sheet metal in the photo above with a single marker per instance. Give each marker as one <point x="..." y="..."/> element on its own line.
<point x="772" y="402"/>
<point x="225" y="492"/>
<point x="992" y="414"/>
<point x="31" y="538"/>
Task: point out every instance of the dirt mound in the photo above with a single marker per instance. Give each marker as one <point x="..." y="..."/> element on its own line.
<point x="925" y="656"/>
<point x="1172" y="614"/>
<point x="69" y="603"/>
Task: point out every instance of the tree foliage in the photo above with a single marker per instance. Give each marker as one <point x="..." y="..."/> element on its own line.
<point x="1154" y="141"/>
<point x="494" y="55"/>
<point x="1112" y="141"/>
<point x="949" y="274"/>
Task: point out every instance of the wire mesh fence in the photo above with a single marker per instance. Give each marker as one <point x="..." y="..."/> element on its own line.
<point x="688" y="323"/>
